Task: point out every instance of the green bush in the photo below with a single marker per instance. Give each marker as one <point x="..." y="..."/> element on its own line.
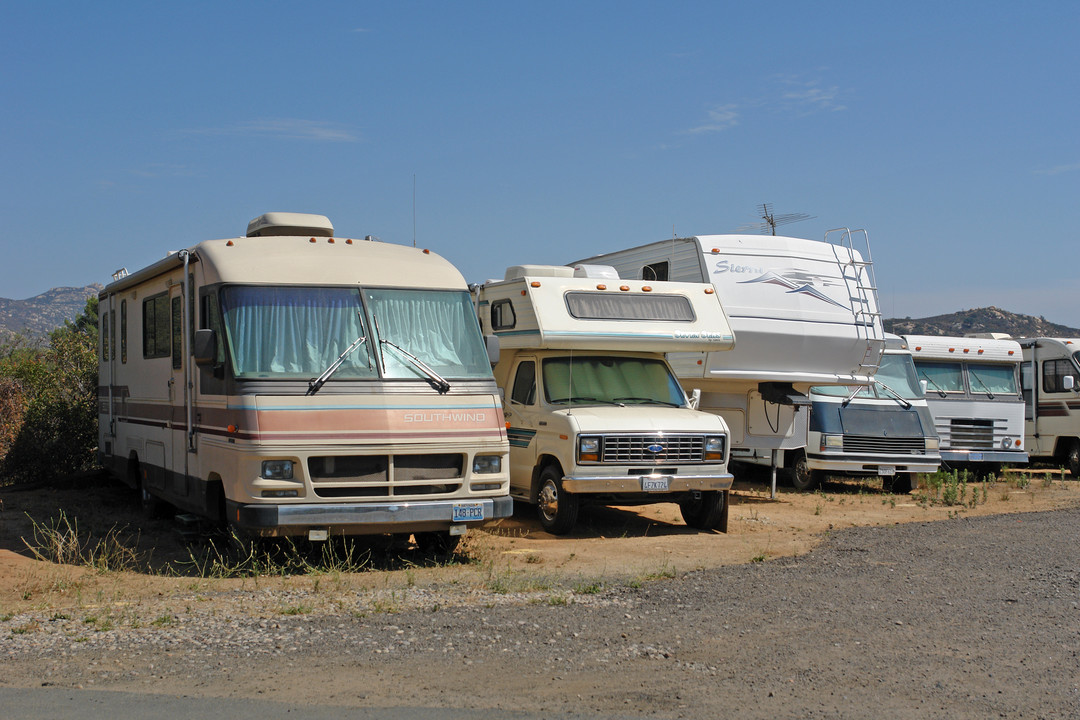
<point x="51" y="393"/>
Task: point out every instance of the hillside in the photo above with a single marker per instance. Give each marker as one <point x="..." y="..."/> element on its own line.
<point x="980" y="320"/>
<point x="45" y="312"/>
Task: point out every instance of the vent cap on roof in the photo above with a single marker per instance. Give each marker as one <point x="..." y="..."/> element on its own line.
<point x="519" y="271"/>
<point x="288" y="223"/>
<point x="600" y="272"/>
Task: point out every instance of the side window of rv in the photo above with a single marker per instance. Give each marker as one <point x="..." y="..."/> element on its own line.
<point x="502" y="315"/>
<point x="656" y="271"/>
<point x="1054" y="372"/>
<point x="156" y="327"/>
<point x="524" y="391"/>
<point x="105" y="335"/>
<point x="177" y="331"/>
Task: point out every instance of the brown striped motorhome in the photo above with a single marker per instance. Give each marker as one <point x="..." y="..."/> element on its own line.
<point x="293" y="383"/>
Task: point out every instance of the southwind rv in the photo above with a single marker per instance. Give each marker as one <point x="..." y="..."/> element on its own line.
<point x="593" y="411"/>
<point x="295" y="383"/>
<point x="1052" y="404"/>
<point x="973" y="390"/>
<point x="883" y="429"/>
<point x="805" y="313"/>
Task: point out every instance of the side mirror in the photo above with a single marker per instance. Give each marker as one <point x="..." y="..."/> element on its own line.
<point x="1069" y="382"/>
<point x="492" y="343"/>
<point x="695" y="398"/>
<point x="924" y="385"/>
<point x="205" y="347"/>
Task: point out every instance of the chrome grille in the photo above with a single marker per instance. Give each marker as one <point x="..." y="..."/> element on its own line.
<point x="335" y="476"/>
<point x="888" y="445"/>
<point x="971" y="434"/>
<point x="635" y="448"/>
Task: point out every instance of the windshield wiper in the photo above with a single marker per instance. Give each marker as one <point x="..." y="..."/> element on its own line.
<point x="583" y="399"/>
<point x="314" y="385"/>
<point x="975" y="375"/>
<point x="646" y="401"/>
<point x="896" y="396"/>
<point x="435" y="378"/>
<point x="931" y="382"/>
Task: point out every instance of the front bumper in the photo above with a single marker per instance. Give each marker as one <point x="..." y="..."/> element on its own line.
<point x="976" y="456"/>
<point x="623" y="484"/>
<point x="870" y="465"/>
<point x="358" y="518"/>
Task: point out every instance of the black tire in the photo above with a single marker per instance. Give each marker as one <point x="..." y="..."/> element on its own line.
<point x="556" y="508"/>
<point x="437" y="543"/>
<point x="704" y="512"/>
<point x="1072" y="458"/>
<point x="802" y="478"/>
<point x="900" y="483"/>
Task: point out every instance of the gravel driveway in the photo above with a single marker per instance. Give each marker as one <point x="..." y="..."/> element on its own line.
<point x="962" y="618"/>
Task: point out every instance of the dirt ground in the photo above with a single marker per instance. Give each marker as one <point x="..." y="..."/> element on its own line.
<point x="610" y="544"/>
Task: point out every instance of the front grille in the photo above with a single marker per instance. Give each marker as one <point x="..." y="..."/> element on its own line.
<point x="885" y="445"/>
<point x="666" y="449"/>
<point x="343" y="476"/>
<point x="971" y="434"/>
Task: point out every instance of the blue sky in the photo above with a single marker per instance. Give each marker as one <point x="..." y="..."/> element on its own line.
<point x="540" y="132"/>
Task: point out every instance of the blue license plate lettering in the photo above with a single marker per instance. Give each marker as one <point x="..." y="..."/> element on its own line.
<point x="468" y="512"/>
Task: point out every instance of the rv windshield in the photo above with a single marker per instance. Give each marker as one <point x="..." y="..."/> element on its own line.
<point x="895" y="371"/>
<point x="610" y="380"/>
<point x="437" y="327"/>
<point x="992" y="379"/>
<point x="295" y="332"/>
<point x="941" y="377"/>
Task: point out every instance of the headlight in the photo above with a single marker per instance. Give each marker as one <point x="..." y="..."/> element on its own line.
<point x="1006" y="443"/>
<point x="486" y="464"/>
<point x="277" y="470"/>
<point x="932" y="443"/>
<point x="714" y="447"/>
<point x="588" y="449"/>
<point x="832" y="442"/>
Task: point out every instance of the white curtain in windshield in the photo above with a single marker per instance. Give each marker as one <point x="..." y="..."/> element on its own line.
<point x="294" y="332"/>
<point x="941" y="377"/>
<point x="438" y="327"/>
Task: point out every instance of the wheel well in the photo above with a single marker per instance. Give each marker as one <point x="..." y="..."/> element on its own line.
<point x="542" y="463"/>
<point x="1063" y="445"/>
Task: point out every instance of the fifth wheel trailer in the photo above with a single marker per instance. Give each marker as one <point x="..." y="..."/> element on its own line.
<point x="291" y="382"/>
<point x="805" y="313"/>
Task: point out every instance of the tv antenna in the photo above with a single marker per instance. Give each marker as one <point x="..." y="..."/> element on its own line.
<point x="772" y="220"/>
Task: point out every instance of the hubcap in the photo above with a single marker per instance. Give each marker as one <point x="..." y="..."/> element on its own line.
<point x="549" y="501"/>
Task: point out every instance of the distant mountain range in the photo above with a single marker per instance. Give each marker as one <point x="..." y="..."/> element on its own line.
<point x="39" y="315"/>
<point x="48" y="311"/>
<point x="980" y="320"/>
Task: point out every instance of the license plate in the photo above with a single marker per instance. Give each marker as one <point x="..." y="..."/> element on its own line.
<point x="886" y="470"/>
<point x="975" y="457"/>
<point x="467" y="512"/>
<point x="655" y="484"/>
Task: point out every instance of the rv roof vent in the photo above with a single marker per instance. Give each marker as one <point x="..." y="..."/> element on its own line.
<point x="520" y="271"/>
<point x="287" y="223"/>
<point x="989" y="336"/>
<point x="599" y="272"/>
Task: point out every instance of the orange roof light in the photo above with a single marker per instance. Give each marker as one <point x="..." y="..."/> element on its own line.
<point x="646" y="288"/>
<point x="624" y="288"/>
<point x="709" y="291"/>
<point x="535" y="283"/>
<point x="311" y="240"/>
<point x="601" y="287"/>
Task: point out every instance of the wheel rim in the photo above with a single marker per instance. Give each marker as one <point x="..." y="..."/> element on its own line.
<point x="548" y="500"/>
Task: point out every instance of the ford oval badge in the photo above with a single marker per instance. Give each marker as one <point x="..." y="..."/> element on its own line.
<point x="655" y="448"/>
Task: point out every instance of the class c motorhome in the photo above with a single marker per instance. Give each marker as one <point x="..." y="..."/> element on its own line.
<point x="883" y="429"/>
<point x="805" y="313"/>
<point x="973" y="390"/>
<point x="293" y="383"/>
<point x="594" y="412"/>
<point x="1050" y="379"/>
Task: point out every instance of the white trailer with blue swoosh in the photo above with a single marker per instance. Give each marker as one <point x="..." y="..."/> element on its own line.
<point x="805" y="312"/>
<point x="594" y="412"/>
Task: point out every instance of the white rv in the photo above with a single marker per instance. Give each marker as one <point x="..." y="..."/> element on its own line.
<point x="294" y="383"/>
<point x="973" y="390"/>
<point x="805" y="312"/>
<point x="883" y="429"/>
<point x="593" y="410"/>
<point x="1052" y="405"/>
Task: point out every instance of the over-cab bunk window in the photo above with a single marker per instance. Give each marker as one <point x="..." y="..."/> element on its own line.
<point x="502" y="315"/>
<point x="611" y="306"/>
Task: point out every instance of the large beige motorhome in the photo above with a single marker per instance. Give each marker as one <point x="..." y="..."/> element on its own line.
<point x="1052" y="404"/>
<point x="295" y="383"/>
<point x="593" y="410"/>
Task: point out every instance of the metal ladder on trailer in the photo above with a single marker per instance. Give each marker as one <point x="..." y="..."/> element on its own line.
<point x="862" y="293"/>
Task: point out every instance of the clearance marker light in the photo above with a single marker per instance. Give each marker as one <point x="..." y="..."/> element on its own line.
<point x="966" y="350"/>
<point x="426" y="251"/>
<point x="535" y="283"/>
<point x="709" y="291"/>
<point x="624" y="288"/>
<point x="716" y="251"/>
<point x="1011" y="352"/>
<point x="330" y="240"/>
<point x="646" y="288"/>
<point x="601" y="287"/>
<point x="229" y="243"/>
<point x="311" y="240"/>
<point x="981" y="351"/>
<point x="231" y="428"/>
